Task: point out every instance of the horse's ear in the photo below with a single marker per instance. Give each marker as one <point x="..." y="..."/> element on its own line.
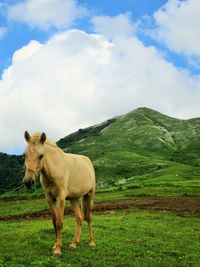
<point x="43" y="138"/>
<point x="27" y="136"/>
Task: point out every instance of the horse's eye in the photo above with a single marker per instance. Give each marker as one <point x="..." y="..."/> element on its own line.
<point x="40" y="156"/>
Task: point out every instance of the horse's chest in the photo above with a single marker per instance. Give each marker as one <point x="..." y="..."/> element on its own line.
<point x="47" y="183"/>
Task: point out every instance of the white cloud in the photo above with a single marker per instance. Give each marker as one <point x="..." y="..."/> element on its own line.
<point x="47" y="13"/>
<point x="112" y="26"/>
<point x="178" y="26"/>
<point x="78" y="79"/>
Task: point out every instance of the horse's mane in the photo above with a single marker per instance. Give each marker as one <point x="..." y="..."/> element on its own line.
<point x="50" y="143"/>
<point x="36" y="138"/>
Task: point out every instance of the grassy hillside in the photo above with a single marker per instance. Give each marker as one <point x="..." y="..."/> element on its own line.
<point x="139" y="148"/>
<point x="143" y="131"/>
<point x="10" y="171"/>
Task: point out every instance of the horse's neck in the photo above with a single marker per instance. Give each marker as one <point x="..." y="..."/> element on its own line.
<point x="49" y="165"/>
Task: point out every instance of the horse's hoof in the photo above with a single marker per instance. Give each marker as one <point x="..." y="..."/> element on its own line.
<point x="57" y="253"/>
<point x="92" y="245"/>
<point x="72" y="246"/>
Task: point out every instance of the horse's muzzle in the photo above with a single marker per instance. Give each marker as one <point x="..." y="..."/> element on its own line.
<point x="29" y="178"/>
<point x="29" y="183"/>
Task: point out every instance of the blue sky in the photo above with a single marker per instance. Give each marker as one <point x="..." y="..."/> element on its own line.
<point x="118" y="55"/>
<point x="19" y="34"/>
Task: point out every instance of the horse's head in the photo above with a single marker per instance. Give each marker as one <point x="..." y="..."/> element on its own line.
<point x="34" y="157"/>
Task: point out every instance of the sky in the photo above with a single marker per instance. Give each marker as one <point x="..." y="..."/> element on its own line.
<point x="70" y="64"/>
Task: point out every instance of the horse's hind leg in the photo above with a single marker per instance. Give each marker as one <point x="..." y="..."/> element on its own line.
<point x="79" y="220"/>
<point x="88" y="201"/>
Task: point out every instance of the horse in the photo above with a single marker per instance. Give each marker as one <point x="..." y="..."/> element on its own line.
<point x="62" y="176"/>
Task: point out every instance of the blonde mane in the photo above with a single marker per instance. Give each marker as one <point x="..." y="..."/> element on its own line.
<point x="50" y="143"/>
<point x="36" y="139"/>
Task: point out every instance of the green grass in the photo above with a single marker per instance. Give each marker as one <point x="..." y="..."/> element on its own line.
<point x="143" y="186"/>
<point x="175" y="180"/>
<point x="22" y="206"/>
<point x="31" y="205"/>
<point x="128" y="238"/>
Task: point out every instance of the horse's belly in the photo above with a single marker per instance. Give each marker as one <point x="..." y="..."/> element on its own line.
<point x="80" y="176"/>
<point x="79" y="186"/>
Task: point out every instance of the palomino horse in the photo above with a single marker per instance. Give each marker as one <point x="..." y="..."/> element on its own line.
<point x="63" y="176"/>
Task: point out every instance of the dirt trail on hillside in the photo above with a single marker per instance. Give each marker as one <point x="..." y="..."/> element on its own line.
<point x="181" y="206"/>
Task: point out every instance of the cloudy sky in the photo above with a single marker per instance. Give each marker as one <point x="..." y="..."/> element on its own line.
<point x="69" y="64"/>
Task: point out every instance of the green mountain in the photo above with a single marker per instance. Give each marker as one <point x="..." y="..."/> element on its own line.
<point x="139" y="148"/>
<point x="140" y="145"/>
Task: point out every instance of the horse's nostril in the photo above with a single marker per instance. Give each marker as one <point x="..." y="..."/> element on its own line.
<point x="29" y="183"/>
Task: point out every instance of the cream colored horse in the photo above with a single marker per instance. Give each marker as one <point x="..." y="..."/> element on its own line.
<point x="63" y="176"/>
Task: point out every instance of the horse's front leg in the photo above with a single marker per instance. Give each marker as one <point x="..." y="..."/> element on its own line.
<point x="58" y="222"/>
<point x="57" y="208"/>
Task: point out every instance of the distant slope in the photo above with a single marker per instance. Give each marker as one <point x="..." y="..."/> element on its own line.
<point x="136" y="143"/>
<point x="141" y="145"/>
<point x="142" y="131"/>
<point x="145" y="131"/>
<point x="10" y="171"/>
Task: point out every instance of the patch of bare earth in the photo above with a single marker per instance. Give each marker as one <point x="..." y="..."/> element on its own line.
<point x="181" y="206"/>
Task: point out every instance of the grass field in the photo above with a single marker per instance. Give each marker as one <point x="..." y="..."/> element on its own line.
<point x="123" y="238"/>
<point x="15" y="207"/>
<point x="126" y="238"/>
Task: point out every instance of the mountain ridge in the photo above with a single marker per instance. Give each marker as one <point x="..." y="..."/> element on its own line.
<point x="168" y="127"/>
